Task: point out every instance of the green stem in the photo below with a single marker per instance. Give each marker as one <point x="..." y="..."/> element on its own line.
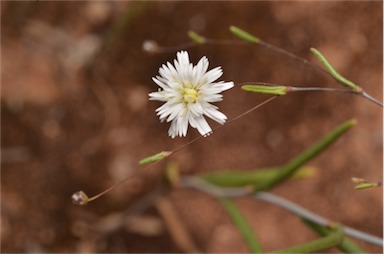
<point x="333" y="239"/>
<point x="288" y="169"/>
<point x="305" y="213"/>
<point x="241" y="223"/>
<point x="329" y="69"/>
<point x="262" y="87"/>
<point x="347" y="245"/>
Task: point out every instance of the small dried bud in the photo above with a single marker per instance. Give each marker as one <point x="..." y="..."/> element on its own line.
<point x="80" y="198"/>
<point x="150" y="46"/>
<point x="358" y="180"/>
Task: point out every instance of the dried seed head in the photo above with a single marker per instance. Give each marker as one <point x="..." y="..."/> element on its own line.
<point x="80" y="198"/>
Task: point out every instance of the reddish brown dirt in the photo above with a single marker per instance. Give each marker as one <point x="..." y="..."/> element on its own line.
<point x="75" y="116"/>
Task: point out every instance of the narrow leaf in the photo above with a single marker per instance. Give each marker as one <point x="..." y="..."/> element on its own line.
<point x="254" y="177"/>
<point x="308" y="154"/>
<point x="242" y="225"/>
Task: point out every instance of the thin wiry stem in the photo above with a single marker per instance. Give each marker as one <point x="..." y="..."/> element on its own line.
<point x="305" y="61"/>
<point x="367" y="96"/>
<point x="362" y="94"/>
<point x="227" y="123"/>
<point x="278" y="201"/>
<point x="304" y="213"/>
<point x="325" y="89"/>
<point x="273" y="48"/>
<point x="84" y="199"/>
<point x="291" y="55"/>
<point x="199" y="184"/>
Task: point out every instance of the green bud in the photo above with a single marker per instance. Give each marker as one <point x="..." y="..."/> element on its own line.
<point x="155" y="158"/>
<point x="363" y="186"/>
<point x="266" y="89"/>
<point x="196" y="37"/>
<point x="244" y="35"/>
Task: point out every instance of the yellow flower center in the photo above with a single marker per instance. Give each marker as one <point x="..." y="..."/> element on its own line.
<point x="190" y="95"/>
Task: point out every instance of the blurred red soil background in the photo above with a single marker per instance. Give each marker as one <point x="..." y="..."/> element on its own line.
<point x="75" y="116"/>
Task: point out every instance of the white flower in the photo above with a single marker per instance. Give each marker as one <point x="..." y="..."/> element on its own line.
<point x="188" y="92"/>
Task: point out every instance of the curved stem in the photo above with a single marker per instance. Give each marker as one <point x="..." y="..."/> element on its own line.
<point x="291" y="55"/>
<point x="347" y="245"/>
<point x="300" y="211"/>
<point x="367" y="96"/>
<point x="362" y="94"/>
<point x="227" y="123"/>
<point x="257" y="41"/>
<point x="84" y="198"/>
<point x="304" y="213"/>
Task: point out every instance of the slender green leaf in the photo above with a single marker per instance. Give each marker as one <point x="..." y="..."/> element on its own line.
<point x="241" y="223"/>
<point x="255" y="177"/>
<point x="308" y="154"/>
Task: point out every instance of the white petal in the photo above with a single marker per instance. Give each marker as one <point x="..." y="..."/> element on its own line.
<point x="213" y="75"/>
<point x="169" y="73"/>
<point x="223" y="86"/>
<point x="182" y="63"/>
<point x="201" y="124"/>
<point x="182" y="125"/>
<point x="176" y="112"/>
<point x="159" y="82"/>
<point x="200" y="69"/>
<point x="173" y="81"/>
<point x="213" y="97"/>
<point x="157" y="96"/>
<point x="179" y="127"/>
<point x="172" y="132"/>
<point x="196" y="109"/>
<point x="165" y="110"/>
<point x="214" y="114"/>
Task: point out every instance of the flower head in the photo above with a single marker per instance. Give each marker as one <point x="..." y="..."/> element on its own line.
<point x="188" y="92"/>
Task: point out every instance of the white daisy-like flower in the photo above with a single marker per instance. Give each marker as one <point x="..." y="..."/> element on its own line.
<point x="188" y="92"/>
